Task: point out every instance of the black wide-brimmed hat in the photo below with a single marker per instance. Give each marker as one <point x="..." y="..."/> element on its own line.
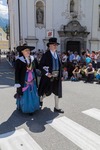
<point x="21" y="48"/>
<point x="52" y="41"/>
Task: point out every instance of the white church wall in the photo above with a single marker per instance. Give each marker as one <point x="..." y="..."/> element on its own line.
<point x="16" y="24"/>
<point x="86" y="18"/>
<point x="49" y="14"/>
<point x="11" y="18"/>
<point x="40" y="34"/>
<point x="31" y="20"/>
<point x="95" y="20"/>
<point x="58" y="18"/>
<point x="56" y="14"/>
<point x="23" y="20"/>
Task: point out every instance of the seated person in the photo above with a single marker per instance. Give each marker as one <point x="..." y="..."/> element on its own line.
<point x="89" y="73"/>
<point x="76" y="58"/>
<point x="83" y="71"/>
<point x="88" y="59"/>
<point x="65" y="74"/>
<point x="76" y="73"/>
<point x="98" y="75"/>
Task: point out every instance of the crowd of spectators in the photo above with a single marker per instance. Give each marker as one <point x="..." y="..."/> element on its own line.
<point x="75" y="67"/>
<point x="81" y="67"/>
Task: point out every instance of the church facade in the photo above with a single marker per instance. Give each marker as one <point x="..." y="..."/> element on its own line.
<point x="75" y="23"/>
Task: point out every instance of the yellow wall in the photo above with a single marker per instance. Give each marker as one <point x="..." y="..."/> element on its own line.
<point x="3" y="35"/>
<point x="4" y="44"/>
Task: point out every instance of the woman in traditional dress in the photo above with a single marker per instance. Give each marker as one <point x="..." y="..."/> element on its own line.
<point x="25" y="81"/>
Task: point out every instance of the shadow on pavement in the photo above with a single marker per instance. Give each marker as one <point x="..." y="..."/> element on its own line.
<point x="6" y="73"/>
<point x="15" y="120"/>
<point x="35" y="123"/>
<point x="40" y="120"/>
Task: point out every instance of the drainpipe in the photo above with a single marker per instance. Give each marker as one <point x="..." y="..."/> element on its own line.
<point x="92" y="17"/>
<point x="19" y="20"/>
<point x="92" y="22"/>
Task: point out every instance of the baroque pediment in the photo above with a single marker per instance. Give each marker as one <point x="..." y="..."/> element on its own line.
<point x="74" y="25"/>
<point x="73" y="28"/>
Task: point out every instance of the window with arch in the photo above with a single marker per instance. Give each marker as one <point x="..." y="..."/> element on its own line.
<point x="39" y="12"/>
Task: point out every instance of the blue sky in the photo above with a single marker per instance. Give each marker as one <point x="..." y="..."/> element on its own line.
<point x="3" y="9"/>
<point x="4" y="2"/>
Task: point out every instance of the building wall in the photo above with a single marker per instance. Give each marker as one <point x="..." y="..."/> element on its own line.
<point x="56" y="15"/>
<point x="3" y="40"/>
<point x="3" y="35"/>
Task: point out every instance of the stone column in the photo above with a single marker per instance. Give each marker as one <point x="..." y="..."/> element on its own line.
<point x="62" y="44"/>
<point x="30" y="19"/>
<point x="16" y="23"/>
<point x="49" y="15"/>
<point x="94" y="28"/>
<point x="23" y="20"/>
<point x="12" y="24"/>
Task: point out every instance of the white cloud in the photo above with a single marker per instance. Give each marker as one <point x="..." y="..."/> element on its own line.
<point x="3" y="10"/>
<point x="1" y="2"/>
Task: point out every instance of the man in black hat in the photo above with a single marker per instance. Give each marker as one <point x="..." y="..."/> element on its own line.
<point x="51" y="71"/>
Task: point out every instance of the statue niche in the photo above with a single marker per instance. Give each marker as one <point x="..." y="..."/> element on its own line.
<point x="39" y="16"/>
<point x="72" y="4"/>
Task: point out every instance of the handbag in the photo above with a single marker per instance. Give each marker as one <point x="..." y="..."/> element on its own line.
<point x="55" y="73"/>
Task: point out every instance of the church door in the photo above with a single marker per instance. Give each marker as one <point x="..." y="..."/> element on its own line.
<point x="73" y="46"/>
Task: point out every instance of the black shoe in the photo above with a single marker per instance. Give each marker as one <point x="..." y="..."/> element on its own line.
<point x="91" y="82"/>
<point x="19" y="109"/>
<point x="41" y="104"/>
<point x="30" y="114"/>
<point x="58" y="110"/>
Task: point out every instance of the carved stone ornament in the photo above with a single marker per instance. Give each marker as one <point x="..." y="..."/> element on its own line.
<point x="74" y="14"/>
<point x="73" y="28"/>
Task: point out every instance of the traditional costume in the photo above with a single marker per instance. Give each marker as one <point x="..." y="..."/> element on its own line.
<point x="50" y="63"/>
<point x="26" y="82"/>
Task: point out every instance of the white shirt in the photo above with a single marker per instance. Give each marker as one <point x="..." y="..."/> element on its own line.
<point x="54" y="54"/>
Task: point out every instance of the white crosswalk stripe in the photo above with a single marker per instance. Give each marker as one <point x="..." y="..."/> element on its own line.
<point x="79" y="135"/>
<point x="18" y="140"/>
<point x="93" y="112"/>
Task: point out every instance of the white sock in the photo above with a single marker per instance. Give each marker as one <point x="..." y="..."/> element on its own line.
<point x="56" y="102"/>
<point x="42" y="97"/>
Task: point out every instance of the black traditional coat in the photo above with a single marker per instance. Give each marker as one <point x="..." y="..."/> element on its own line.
<point x="20" y="71"/>
<point x="47" y="86"/>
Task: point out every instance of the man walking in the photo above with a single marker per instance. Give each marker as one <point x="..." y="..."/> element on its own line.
<point x="51" y="79"/>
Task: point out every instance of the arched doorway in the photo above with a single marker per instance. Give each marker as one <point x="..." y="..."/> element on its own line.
<point x="73" y="46"/>
<point x="73" y="36"/>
